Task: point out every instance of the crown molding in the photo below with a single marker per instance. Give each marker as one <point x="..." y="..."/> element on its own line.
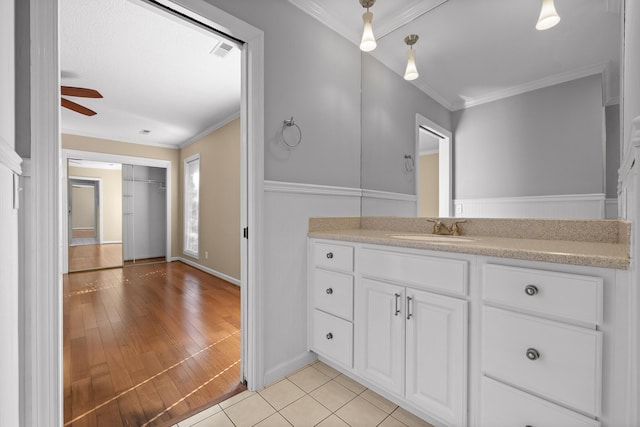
<point x="318" y="12"/>
<point x="405" y="15"/>
<point x="217" y="125"/>
<point x="555" y="79"/>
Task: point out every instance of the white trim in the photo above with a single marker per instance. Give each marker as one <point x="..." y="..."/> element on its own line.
<point x="89" y="134"/>
<point x="9" y="158"/>
<point x="286" y="368"/>
<point x="217" y="125"/>
<point x="384" y="25"/>
<point x="110" y="242"/>
<point x="44" y="388"/>
<point x="320" y="190"/>
<point x="101" y="223"/>
<point x="388" y="195"/>
<point x="445" y="166"/>
<point x="211" y="271"/>
<point x="109" y="158"/>
<point x="566" y="76"/>
<point x="586" y="206"/>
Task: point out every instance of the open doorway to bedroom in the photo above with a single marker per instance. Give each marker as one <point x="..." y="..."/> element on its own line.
<point x="147" y="344"/>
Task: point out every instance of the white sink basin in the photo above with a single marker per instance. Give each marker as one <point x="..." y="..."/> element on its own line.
<point x="431" y="238"/>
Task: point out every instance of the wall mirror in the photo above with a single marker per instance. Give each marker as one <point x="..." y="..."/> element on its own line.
<point x="533" y="115"/>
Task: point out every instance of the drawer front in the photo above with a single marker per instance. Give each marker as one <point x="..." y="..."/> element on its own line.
<point x="504" y="406"/>
<point x="568" y="296"/>
<point x="336" y="257"/>
<point x="555" y="360"/>
<point x="333" y="338"/>
<point x="333" y="293"/>
<point x="421" y="271"/>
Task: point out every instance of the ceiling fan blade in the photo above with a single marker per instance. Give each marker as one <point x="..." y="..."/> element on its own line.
<point x="80" y="91"/>
<point x="76" y="107"/>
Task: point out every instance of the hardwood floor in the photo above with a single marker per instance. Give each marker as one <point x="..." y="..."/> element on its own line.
<point x="90" y="257"/>
<point x="147" y="344"/>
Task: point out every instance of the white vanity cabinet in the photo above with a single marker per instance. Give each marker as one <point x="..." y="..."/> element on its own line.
<point x="409" y="339"/>
<point x="541" y="347"/>
<point x="331" y="302"/>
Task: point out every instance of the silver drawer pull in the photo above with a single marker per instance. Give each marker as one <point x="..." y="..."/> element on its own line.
<point x="397" y="305"/>
<point x="329" y="291"/>
<point x="329" y="336"/>
<point x="533" y="354"/>
<point x="531" y="290"/>
<point x="409" y="314"/>
<point x="330" y="255"/>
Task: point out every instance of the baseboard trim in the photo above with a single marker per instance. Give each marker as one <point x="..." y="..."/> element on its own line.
<point x="110" y="242"/>
<point x="211" y="271"/>
<point x="286" y="368"/>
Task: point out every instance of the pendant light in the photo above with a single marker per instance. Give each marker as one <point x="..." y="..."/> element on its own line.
<point x="368" y="42"/>
<point x="548" y="16"/>
<point x="411" y="73"/>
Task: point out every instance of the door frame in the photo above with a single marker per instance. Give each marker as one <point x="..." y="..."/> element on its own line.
<point x="445" y="166"/>
<point x="98" y="208"/>
<point x="108" y="158"/>
<point x="44" y="390"/>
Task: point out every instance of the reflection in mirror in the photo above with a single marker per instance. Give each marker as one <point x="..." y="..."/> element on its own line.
<point x="534" y="115"/>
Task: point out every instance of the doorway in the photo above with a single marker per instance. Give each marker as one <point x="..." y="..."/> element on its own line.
<point x="44" y="284"/>
<point x="433" y="171"/>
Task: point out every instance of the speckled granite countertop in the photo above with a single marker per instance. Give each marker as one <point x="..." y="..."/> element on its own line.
<point x="596" y="243"/>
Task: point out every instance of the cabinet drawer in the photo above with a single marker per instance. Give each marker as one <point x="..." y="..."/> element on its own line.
<point x="333" y="293"/>
<point x="336" y="257"/>
<point x="333" y="338"/>
<point x="555" y="360"/>
<point x="569" y="296"/>
<point x="504" y="406"/>
<point x="449" y="275"/>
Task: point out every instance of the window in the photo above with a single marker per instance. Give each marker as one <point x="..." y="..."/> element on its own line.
<point x="191" y="205"/>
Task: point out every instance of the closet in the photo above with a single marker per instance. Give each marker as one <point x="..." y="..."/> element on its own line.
<point x="144" y="205"/>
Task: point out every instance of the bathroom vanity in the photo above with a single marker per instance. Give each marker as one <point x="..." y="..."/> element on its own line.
<point x="514" y="323"/>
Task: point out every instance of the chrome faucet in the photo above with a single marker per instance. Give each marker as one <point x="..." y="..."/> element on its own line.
<point x="440" y="228"/>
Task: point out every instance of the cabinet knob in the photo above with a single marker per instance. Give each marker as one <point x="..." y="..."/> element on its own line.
<point x="329" y="336"/>
<point x="531" y="290"/>
<point x="329" y="291"/>
<point x="533" y="354"/>
<point x="330" y="255"/>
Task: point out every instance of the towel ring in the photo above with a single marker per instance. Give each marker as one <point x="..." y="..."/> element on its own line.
<point x="287" y="124"/>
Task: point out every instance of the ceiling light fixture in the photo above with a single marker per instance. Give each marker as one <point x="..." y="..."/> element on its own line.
<point x="548" y="16"/>
<point x="368" y="42"/>
<point x="411" y="73"/>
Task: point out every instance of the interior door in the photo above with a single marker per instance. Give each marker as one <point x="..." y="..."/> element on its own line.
<point x="84" y="212"/>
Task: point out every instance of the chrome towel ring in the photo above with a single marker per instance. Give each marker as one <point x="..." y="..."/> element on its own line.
<point x="288" y="124"/>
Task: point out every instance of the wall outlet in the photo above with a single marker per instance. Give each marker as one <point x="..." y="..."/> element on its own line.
<point x="458" y="209"/>
<point x="206" y="254"/>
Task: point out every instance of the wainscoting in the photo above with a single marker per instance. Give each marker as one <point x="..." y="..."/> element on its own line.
<point x="585" y="206"/>
<point x="384" y="203"/>
<point x="287" y="207"/>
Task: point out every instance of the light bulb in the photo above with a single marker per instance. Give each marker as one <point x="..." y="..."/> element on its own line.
<point x="411" y="73"/>
<point x="548" y="16"/>
<point x="368" y="42"/>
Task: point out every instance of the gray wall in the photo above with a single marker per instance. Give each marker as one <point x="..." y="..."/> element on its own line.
<point x="389" y="107"/>
<point x="612" y="124"/>
<point x="545" y="142"/>
<point x="23" y="80"/>
<point x="313" y="74"/>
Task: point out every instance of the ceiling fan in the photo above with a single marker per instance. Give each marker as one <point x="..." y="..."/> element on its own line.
<point x="82" y="93"/>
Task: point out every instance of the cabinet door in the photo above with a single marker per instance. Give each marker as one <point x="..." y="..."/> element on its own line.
<point x="436" y="370"/>
<point x="380" y="334"/>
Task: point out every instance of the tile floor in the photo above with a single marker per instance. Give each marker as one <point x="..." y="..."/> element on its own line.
<point x="316" y="395"/>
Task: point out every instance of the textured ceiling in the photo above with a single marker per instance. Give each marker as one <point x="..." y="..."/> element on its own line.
<point x="155" y="72"/>
<point x="473" y="51"/>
